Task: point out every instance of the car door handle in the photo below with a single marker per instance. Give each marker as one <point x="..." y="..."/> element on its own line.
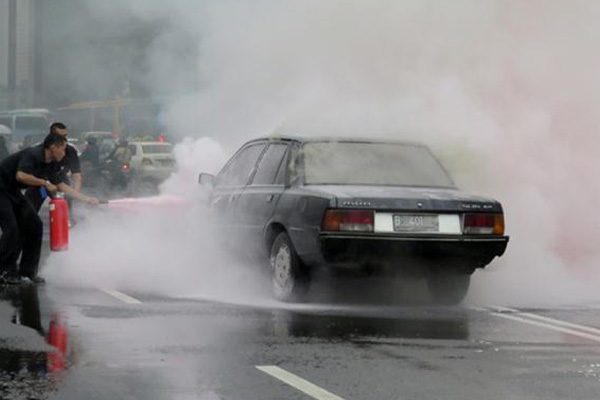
<point x="269" y="198"/>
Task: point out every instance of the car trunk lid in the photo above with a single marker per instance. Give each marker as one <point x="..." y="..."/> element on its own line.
<point x="399" y="198"/>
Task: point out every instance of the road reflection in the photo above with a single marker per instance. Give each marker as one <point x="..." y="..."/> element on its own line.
<point x="25" y="300"/>
<point x="28" y="367"/>
<point x="348" y="307"/>
<point x="386" y="323"/>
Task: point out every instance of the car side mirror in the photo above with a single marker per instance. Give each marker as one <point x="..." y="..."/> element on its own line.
<point x="205" y="179"/>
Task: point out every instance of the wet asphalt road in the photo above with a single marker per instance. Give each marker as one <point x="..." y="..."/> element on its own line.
<point x="139" y="346"/>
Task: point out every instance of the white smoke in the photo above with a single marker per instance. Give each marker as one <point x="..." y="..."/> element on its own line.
<point x="504" y="91"/>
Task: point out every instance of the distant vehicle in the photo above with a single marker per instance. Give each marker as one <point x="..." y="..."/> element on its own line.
<point x="25" y="122"/>
<point x="152" y="162"/>
<point x="107" y="179"/>
<point x="76" y="143"/>
<point x="380" y="207"/>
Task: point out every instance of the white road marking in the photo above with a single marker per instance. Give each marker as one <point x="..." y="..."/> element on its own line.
<point x="478" y="308"/>
<point x="296" y="382"/>
<point x="555" y="321"/>
<point x="573" y="332"/>
<point x="121" y="296"/>
<point x="582" y="331"/>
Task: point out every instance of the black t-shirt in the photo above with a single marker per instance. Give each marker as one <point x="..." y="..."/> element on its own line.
<point x="31" y="161"/>
<point x="70" y="162"/>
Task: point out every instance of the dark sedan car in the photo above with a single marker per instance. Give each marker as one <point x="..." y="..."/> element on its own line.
<point x="384" y="207"/>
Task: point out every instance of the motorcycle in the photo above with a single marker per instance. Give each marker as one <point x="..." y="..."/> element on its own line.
<point x="108" y="179"/>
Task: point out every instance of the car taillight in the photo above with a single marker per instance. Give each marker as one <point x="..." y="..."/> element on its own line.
<point x="348" y="220"/>
<point x="146" y="161"/>
<point x="484" y="224"/>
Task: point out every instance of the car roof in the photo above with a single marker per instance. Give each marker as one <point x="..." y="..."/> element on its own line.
<point x="150" y="142"/>
<point x="350" y="139"/>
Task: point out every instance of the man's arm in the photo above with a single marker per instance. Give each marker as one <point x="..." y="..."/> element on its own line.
<point x="31" y="180"/>
<point x="25" y="175"/>
<point x="69" y="191"/>
<point x="77" y="180"/>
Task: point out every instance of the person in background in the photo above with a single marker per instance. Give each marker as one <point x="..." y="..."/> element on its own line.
<point x="3" y="148"/>
<point x="118" y="162"/>
<point x="121" y="153"/>
<point x="91" y="153"/>
<point x="22" y="228"/>
<point x="90" y="162"/>
<point x="69" y="164"/>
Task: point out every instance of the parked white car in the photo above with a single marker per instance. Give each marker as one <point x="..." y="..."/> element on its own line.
<point x="152" y="161"/>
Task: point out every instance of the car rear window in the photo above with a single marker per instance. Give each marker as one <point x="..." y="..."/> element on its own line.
<point x="362" y="163"/>
<point x="157" y="148"/>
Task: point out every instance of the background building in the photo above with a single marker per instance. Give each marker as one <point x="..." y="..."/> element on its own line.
<point x="18" y="48"/>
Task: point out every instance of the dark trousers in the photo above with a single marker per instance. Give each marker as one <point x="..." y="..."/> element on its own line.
<point x="22" y="231"/>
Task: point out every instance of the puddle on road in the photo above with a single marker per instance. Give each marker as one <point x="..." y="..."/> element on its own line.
<point x="351" y="309"/>
<point x="25" y="375"/>
<point x="344" y="327"/>
<point x="26" y="372"/>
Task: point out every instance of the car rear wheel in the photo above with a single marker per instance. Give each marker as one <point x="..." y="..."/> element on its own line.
<point x="448" y="287"/>
<point x="289" y="277"/>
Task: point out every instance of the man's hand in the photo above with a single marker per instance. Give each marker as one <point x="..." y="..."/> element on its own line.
<point x="50" y="187"/>
<point x="91" y="200"/>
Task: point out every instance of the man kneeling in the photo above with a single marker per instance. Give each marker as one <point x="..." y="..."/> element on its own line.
<point x="22" y="228"/>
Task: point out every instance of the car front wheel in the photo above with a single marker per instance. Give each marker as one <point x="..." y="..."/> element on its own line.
<point x="289" y="277"/>
<point x="448" y="288"/>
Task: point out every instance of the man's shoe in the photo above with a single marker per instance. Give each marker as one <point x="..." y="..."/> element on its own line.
<point x="10" y="279"/>
<point x="38" y="280"/>
<point x="25" y="280"/>
<point x="31" y="280"/>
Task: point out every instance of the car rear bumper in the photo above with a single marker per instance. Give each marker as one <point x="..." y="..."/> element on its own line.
<point x="467" y="252"/>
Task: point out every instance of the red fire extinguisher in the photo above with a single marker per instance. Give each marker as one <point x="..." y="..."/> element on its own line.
<point x="59" y="223"/>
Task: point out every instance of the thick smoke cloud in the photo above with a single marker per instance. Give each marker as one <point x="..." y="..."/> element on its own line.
<point x="504" y="91"/>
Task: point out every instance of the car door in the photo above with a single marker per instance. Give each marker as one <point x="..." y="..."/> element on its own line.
<point x="230" y="183"/>
<point x="258" y="201"/>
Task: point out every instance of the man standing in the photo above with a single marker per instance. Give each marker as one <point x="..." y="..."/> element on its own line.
<point x="91" y="153"/>
<point x="70" y="163"/>
<point x="21" y="227"/>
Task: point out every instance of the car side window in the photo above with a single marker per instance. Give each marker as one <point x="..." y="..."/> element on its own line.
<point x="269" y="165"/>
<point x="238" y="170"/>
<point x="294" y="165"/>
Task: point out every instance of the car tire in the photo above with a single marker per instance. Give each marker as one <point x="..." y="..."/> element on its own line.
<point x="290" y="280"/>
<point x="448" y="288"/>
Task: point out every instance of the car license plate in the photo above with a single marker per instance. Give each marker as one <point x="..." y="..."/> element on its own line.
<point x="416" y="223"/>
